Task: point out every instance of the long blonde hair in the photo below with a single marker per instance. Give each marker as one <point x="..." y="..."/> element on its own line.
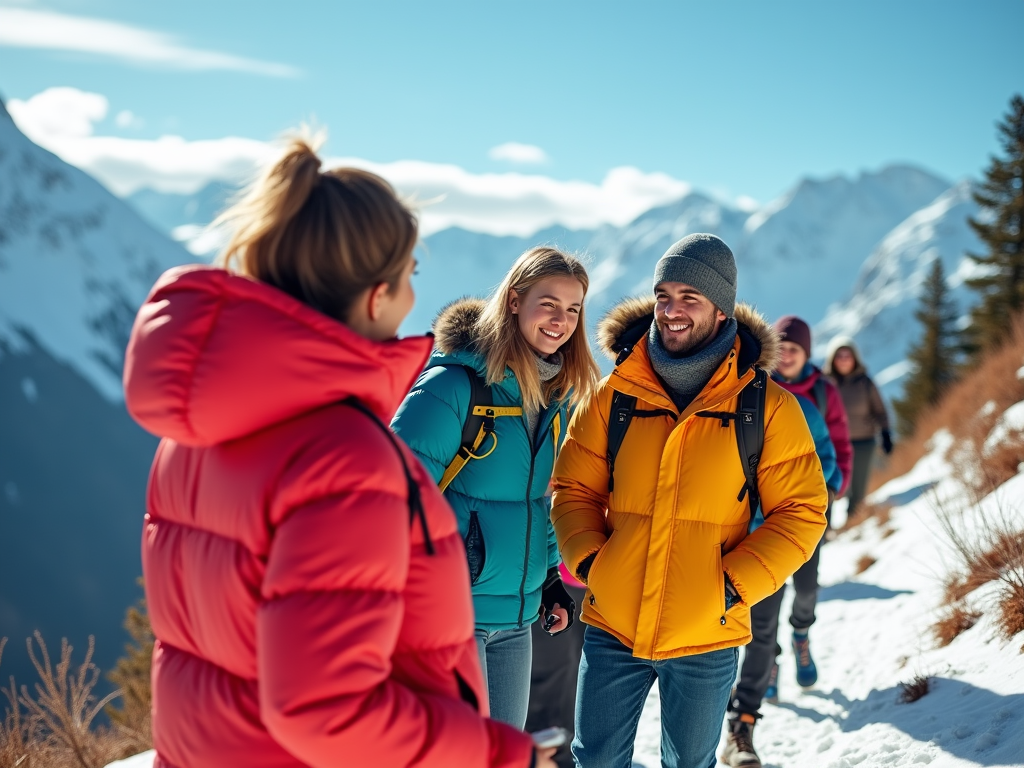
<point x="503" y="345"/>
<point x="321" y="237"/>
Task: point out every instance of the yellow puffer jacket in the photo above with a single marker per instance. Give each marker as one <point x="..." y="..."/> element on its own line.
<point x="673" y="524"/>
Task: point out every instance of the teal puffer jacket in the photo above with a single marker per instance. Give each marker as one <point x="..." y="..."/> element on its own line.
<point x="503" y="495"/>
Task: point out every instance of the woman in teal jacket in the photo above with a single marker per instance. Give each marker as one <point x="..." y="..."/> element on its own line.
<point x="519" y="350"/>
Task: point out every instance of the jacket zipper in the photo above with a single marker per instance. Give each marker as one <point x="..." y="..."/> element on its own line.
<point x="529" y="510"/>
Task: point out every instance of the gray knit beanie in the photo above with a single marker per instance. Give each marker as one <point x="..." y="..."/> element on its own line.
<point x="705" y="263"/>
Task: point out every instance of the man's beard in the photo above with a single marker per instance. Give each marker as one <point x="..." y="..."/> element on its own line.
<point x="699" y="335"/>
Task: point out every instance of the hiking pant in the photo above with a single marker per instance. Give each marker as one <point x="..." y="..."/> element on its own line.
<point x="863" y="454"/>
<point x="505" y="656"/>
<point x="764" y="649"/>
<point x="805" y="585"/>
<point x="556" y="666"/>
<point x="613" y="686"/>
<point x="760" y="655"/>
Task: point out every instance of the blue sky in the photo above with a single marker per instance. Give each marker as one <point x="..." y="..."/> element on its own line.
<point x="734" y="98"/>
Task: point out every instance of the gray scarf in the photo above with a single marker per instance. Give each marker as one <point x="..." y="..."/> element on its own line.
<point x="548" y="369"/>
<point x="687" y="375"/>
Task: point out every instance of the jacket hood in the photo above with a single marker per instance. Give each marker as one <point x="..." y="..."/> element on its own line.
<point x="630" y="320"/>
<point x="455" y="326"/>
<point x="215" y="356"/>
<point x="834" y="346"/>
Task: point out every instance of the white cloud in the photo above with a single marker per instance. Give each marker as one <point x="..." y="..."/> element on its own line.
<point x="514" y="152"/>
<point x="496" y="203"/>
<point x="49" y="30"/>
<point x="61" y="120"/>
<point x="59" y="113"/>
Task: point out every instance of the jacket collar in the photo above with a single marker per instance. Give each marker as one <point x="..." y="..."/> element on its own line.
<point x="622" y="335"/>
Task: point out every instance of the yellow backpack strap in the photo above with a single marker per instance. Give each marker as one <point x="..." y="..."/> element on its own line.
<point x="556" y="429"/>
<point x="479" y="424"/>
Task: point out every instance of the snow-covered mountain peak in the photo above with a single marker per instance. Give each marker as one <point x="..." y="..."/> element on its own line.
<point x="75" y="261"/>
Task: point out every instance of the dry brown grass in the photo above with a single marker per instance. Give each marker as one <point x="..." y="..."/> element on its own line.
<point x="957" y="619"/>
<point x="990" y="552"/>
<point x="1011" y="611"/>
<point x="865" y="562"/>
<point x="993" y="379"/>
<point x="914" y="690"/>
<point x="53" y="725"/>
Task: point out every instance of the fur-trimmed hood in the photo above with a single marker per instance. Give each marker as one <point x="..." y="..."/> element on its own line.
<point x="830" y="355"/>
<point x="455" y="325"/>
<point x="630" y="320"/>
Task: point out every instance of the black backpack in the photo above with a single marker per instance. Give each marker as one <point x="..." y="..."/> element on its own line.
<point x="748" y="419"/>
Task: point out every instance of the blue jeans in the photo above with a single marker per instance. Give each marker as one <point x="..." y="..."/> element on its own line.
<point x="506" y="656"/>
<point x="612" y="689"/>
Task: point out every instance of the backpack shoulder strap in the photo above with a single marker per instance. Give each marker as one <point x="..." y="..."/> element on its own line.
<point x="820" y="395"/>
<point x="415" y="500"/>
<point x="618" y="422"/>
<point x="750" y="435"/>
<point x="478" y="425"/>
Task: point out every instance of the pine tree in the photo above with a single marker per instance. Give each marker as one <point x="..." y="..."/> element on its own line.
<point x="934" y="358"/>
<point x="1001" y="229"/>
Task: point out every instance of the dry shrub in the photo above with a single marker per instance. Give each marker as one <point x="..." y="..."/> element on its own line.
<point x="992" y="551"/>
<point x="132" y="677"/>
<point x="1011" y="611"/>
<point x="1001" y="551"/>
<point x="1002" y="463"/>
<point x="993" y="379"/>
<point x="54" y="727"/>
<point x="957" y="619"/>
<point x="914" y="690"/>
<point x="865" y="562"/>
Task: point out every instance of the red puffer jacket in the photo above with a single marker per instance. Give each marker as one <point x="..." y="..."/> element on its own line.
<point x="300" y="617"/>
<point x="835" y="416"/>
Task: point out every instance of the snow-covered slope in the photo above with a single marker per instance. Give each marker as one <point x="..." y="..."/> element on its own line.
<point x="880" y="312"/>
<point x="75" y="261"/>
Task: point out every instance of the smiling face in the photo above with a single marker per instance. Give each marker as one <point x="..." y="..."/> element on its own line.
<point x="549" y="312"/>
<point x="686" y="318"/>
<point x="792" y="360"/>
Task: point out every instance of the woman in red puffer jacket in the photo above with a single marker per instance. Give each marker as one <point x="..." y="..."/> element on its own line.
<point x="306" y="581"/>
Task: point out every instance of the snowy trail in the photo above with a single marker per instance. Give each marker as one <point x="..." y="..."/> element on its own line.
<point x="874" y="632"/>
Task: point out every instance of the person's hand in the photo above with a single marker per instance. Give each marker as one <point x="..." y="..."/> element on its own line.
<point x="553" y="597"/>
<point x="561" y="618"/>
<point x="583" y="570"/>
<point x="886" y="442"/>
<point x="542" y="758"/>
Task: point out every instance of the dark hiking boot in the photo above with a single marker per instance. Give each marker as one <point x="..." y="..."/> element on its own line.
<point x="806" y="671"/>
<point x="739" y="743"/>
<point x="771" y="693"/>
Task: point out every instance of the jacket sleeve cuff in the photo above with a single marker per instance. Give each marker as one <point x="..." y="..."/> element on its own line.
<point x="510" y="747"/>
<point x="580" y="546"/>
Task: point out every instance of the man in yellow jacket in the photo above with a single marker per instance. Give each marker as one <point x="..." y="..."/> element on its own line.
<point x="663" y="544"/>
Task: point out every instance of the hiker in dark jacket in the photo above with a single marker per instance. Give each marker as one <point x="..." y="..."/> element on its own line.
<point x="527" y="349"/>
<point x="865" y="412"/>
<point x="759" y="674"/>
<point x="796" y="374"/>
